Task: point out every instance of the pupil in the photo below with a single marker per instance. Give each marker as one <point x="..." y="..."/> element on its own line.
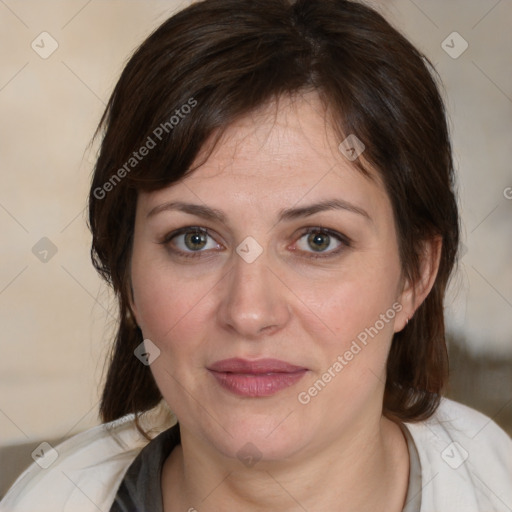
<point x="195" y="240"/>
<point x="318" y="241"/>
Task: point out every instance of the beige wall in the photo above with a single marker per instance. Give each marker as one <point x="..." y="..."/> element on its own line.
<point x="56" y="315"/>
<point x="479" y="98"/>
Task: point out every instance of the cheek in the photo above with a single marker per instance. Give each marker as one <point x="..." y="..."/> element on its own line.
<point x="162" y="310"/>
<point x="172" y="307"/>
<point x="357" y="312"/>
<point x="354" y="299"/>
<point x="363" y="323"/>
<point x="176" y="312"/>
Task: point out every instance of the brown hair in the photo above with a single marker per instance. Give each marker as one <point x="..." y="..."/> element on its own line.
<point x="226" y="58"/>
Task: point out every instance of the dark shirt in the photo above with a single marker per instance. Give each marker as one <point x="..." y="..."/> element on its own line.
<point x="141" y="489"/>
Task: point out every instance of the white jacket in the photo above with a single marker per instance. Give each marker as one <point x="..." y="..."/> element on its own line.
<point x="466" y="465"/>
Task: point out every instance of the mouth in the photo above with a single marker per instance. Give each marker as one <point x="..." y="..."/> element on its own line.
<point x="260" y="378"/>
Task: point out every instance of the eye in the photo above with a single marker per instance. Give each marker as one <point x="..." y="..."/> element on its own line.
<point x="321" y="242"/>
<point x="189" y="240"/>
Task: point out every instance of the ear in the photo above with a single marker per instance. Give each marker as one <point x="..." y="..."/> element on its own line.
<point x="413" y="294"/>
<point x="132" y="312"/>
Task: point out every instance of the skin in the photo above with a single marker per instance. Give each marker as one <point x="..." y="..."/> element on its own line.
<point x="336" y="452"/>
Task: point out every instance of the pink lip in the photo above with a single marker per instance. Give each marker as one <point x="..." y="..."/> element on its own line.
<point x="263" y="377"/>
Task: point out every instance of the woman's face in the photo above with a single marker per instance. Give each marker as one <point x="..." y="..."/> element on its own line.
<point x="270" y="281"/>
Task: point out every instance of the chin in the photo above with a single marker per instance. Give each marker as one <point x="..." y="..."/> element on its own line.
<point x="257" y="438"/>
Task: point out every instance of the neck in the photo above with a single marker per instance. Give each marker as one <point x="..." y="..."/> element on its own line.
<point x="360" y="472"/>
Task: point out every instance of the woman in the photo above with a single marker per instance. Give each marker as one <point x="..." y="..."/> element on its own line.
<point x="273" y="205"/>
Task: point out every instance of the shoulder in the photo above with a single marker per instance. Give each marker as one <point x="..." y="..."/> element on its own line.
<point x="466" y="460"/>
<point x="83" y="473"/>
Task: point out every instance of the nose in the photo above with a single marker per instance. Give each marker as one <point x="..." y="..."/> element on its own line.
<point x="254" y="301"/>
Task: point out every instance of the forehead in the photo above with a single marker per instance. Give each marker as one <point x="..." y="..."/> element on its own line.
<point x="291" y="133"/>
<point x="286" y="152"/>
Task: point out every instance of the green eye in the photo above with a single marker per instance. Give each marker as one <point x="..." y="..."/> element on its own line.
<point x="195" y="240"/>
<point x="319" y="241"/>
<point x="191" y="241"/>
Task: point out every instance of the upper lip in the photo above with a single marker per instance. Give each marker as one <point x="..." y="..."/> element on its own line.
<point x="238" y="365"/>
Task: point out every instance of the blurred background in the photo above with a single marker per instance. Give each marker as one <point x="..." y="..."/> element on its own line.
<point x="59" y="62"/>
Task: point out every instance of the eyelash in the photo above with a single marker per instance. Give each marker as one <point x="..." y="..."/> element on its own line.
<point x="344" y="241"/>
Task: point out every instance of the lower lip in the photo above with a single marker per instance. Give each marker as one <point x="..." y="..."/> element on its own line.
<point x="255" y="385"/>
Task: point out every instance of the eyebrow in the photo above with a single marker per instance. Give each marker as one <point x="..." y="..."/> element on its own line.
<point x="288" y="214"/>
